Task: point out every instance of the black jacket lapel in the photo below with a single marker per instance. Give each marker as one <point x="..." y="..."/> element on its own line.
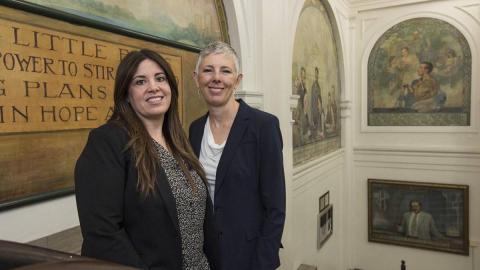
<point x="166" y="193"/>
<point x="196" y="134"/>
<point x="234" y="137"/>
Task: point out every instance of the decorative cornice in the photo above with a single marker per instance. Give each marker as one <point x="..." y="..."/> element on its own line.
<point x="418" y="158"/>
<point x="294" y="101"/>
<point x="472" y="10"/>
<point x="366" y="5"/>
<point x="300" y="170"/>
<point x="253" y="98"/>
<point x="293" y="105"/>
<point x="431" y="150"/>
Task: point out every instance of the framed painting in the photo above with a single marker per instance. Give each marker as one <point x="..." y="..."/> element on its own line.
<point x="419" y="74"/>
<point x="56" y="83"/>
<point x="324" y="220"/>
<point x="316" y="80"/>
<point x="179" y="23"/>
<point x="421" y="215"/>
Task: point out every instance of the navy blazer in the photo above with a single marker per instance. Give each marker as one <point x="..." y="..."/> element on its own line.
<point x="118" y="224"/>
<point x="249" y="190"/>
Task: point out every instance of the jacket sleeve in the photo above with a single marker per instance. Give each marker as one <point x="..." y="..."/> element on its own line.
<point x="190" y="134"/>
<point x="100" y="176"/>
<point x="272" y="188"/>
<point x="211" y="246"/>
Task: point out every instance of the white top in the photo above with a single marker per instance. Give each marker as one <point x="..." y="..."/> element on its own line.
<point x="210" y="154"/>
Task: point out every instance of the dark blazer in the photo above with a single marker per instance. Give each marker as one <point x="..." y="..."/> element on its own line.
<point x="249" y="190"/>
<point x="120" y="225"/>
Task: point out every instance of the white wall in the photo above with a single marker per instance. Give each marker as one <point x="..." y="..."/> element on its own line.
<point x="309" y="183"/>
<point x="34" y="221"/>
<point x="425" y="154"/>
<point x="456" y="168"/>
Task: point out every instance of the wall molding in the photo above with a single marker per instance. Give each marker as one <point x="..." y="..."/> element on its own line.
<point x="324" y="175"/>
<point x="345" y="108"/>
<point x="472" y="10"/>
<point x="317" y="170"/>
<point x="253" y="98"/>
<point x="462" y="151"/>
<point x="368" y="5"/>
<point x="451" y="160"/>
<point x="303" y="169"/>
<point x="293" y="105"/>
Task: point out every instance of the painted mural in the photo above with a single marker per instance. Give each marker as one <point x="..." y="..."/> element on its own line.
<point x="191" y="22"/>
<point x="316" y="80"/>
<point x="419" y="74"/>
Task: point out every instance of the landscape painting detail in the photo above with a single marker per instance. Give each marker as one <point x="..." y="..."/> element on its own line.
<point x="419" y="74"/>
<point x="191" y="22"/>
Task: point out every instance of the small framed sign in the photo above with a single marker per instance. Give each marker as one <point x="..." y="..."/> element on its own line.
<point x="325" y="219"/>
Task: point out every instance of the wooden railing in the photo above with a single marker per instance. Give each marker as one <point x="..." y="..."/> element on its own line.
<point x="26" y="257"/>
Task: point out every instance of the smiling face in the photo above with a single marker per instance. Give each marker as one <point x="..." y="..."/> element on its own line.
<point x="149" y="92"/>
<point x="217" y="79"/>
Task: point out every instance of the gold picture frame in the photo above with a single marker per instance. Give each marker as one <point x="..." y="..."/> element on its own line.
<point x="422" y="215"/>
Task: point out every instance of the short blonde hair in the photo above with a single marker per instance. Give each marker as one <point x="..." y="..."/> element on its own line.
<point x="218" y="47"/>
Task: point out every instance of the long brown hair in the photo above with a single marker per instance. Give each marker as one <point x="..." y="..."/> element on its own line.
<point x="141" y="144"/>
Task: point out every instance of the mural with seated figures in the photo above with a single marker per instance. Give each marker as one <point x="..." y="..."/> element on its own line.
<point x="419" y="74"/>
